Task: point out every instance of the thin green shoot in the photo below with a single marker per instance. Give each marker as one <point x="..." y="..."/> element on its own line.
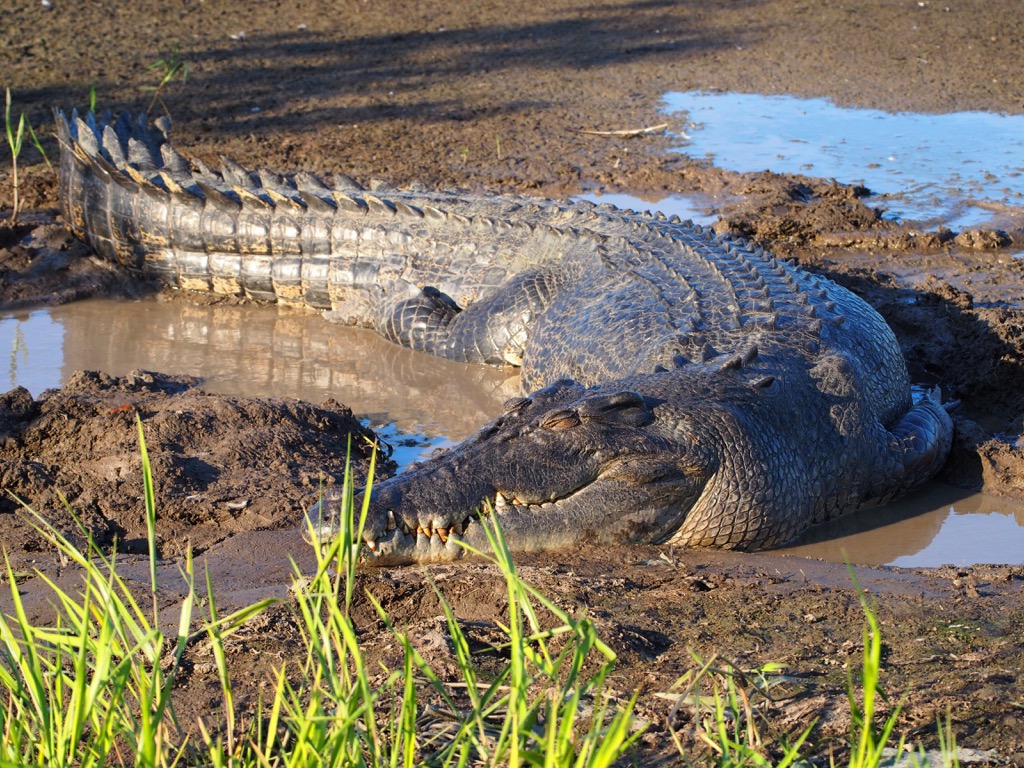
<point x="15" y="136"/>
<point x="169" y="69"/>
<point x="38" y="145"/>
<point x="947" y="742"/>
<point x="728" y="718"/>
<point x="149" y="502"/>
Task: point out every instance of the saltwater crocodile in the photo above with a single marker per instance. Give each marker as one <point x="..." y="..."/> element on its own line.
<point x="681" y="386"/>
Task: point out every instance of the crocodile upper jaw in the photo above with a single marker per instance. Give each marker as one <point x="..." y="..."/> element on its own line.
<point x="638" y="500"/>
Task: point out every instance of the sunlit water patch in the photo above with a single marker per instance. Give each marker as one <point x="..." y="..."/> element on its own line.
<point x="33" y="345"/>
<point x="956" y="170"/>
<point x="696" y="208"/>
<point x="407" y="448"/>
<point x="420" y="403"/>
<point x="935" y="525"/>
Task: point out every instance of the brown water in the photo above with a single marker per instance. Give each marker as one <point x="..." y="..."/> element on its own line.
<point x="421" y="402"/>
<point x="417" y="401"/>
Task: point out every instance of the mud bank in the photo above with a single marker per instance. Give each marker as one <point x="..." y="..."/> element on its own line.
<point x="455" y="94"/>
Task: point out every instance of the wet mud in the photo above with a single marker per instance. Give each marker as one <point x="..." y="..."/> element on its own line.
<point x="221" y="464"/>
<point x="454" y="94"/>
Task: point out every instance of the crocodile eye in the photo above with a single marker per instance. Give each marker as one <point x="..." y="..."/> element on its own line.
<point x="624" y="407"/>
<point x="560" y="420"/>
<point x="515" y="404"/>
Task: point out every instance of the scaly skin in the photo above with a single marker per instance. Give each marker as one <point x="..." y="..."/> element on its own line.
<point x="685" y="387"/>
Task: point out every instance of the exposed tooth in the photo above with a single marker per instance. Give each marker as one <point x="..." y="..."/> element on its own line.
<point x="443" y="533"/>
<point x="372" y="544"/>
<point x="516" y="502"/>
<point x="499" y="500"/>
<point x="391" y="525"/>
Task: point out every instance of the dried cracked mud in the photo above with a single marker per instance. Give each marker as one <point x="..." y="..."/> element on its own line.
<point x="460" y="94"/>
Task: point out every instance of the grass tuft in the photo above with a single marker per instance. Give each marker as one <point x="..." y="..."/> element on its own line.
<point x="867" y="741"/>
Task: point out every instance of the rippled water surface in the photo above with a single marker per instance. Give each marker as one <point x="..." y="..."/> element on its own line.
<point x="959" y="169"/>
<point x="420" y="403"/>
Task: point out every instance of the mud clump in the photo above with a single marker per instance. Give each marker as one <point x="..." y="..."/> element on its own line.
<point x="221" y="464"/>
<point x="790" y="211"/>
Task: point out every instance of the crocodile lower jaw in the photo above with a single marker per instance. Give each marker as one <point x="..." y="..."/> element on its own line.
<point x="440" y="535"/>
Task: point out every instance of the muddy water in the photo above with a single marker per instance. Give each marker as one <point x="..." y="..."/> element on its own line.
<point x="959" y="170"/>
<point x="420" y="403"/>
<point x="417" y="402"/>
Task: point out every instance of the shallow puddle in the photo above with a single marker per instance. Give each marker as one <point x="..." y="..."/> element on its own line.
<point x="959" y="170"/>
<point x="938" y="524"/>
<point x="420" y="403"/>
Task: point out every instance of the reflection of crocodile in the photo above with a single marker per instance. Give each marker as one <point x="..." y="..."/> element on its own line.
<point x="247" y="350"/>
<point x="688" y="388"/>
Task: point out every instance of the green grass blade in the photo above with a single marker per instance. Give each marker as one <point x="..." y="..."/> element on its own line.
<point x="149" y="499"/>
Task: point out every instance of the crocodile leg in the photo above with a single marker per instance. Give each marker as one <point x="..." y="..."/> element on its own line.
<point x="913" y="450"/>
<point x="493" y="330"/>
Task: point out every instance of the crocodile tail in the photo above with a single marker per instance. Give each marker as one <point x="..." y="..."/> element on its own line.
<point x="294" y="240"/>
<point x="136" y="201"/>
<point x="288" y="239"/>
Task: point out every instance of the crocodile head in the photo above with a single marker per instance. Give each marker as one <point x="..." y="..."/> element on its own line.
<point x="561" y="467"/>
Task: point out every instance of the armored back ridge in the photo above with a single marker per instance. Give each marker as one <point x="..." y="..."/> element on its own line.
<point x="680" y="386"/>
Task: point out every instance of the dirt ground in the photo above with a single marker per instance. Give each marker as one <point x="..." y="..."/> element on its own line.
<point x="489" y="97"/>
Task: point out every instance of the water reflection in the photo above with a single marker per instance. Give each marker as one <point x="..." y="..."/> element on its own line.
<point x="34" y="343"/>
<point x="262" y="351"/>
<point x="423" y="402"/>
<point x="696" y="207"/>
<point x="937" y="525"/>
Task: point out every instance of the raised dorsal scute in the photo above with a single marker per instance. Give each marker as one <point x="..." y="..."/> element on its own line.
<point x="113" y="148"/>
<point x="348" y="203"/>
<point x="237" y="175"/>
<point x="342" y="181"/>
<point x="220" y="199"/>
<point x="316" y="203"/>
